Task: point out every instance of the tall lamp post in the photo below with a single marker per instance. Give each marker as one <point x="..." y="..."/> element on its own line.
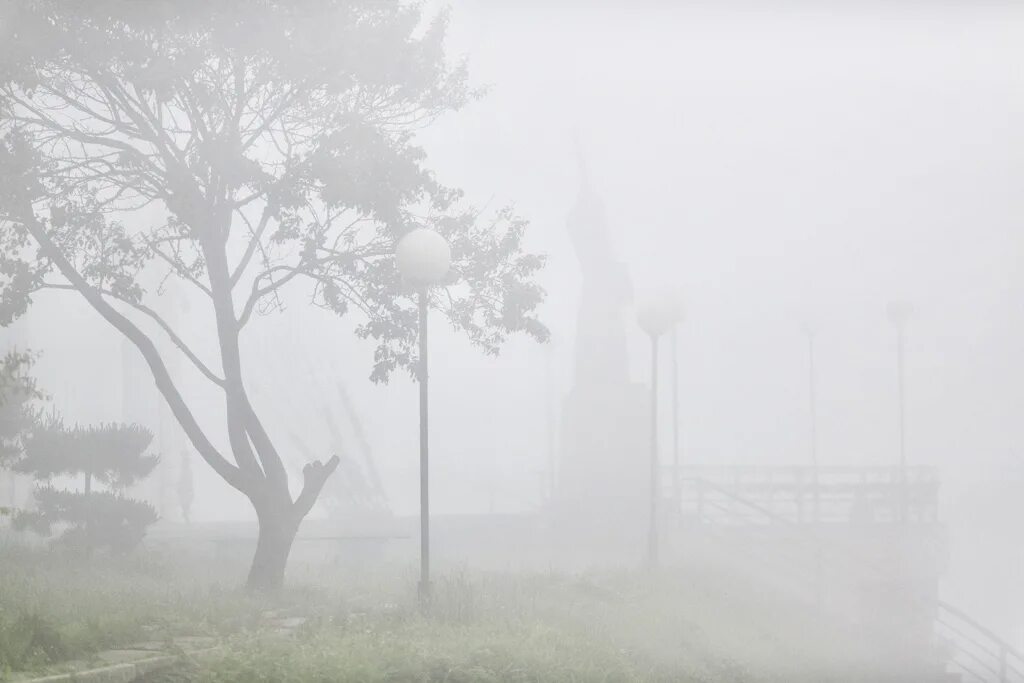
<point x="655" y="318"/>
<point x="423" y="258"/>
<point x="812" y="396"/>
<point x="810" y="330"/>
<point x="899" y="313"/>
<point x="677" y="312"/>
<point x="549" y="421"/>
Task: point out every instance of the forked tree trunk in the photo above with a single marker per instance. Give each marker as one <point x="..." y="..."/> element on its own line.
<point x="279" y="518"/>
<point x="88" y="510"/>
<point x="277" y="529"/>
<point x="257" y="471"/>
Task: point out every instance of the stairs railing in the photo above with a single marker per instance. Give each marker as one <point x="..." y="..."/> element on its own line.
<point x="973" y="650"/>
<point x="979" y="653"/>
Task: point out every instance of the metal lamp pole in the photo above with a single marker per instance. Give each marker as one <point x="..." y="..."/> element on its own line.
<point x="424" y="380"/>
<point x="676" y="317"/>
<point x="549" y="422"/>
<point x="812" y="395"/>
<point x="675" y="417"/>
<point x="652" y="532"/>
<point x="901" y="384"/>
<point x="655" y="319"/>
<point x="899" y="313"/>
<point x="423" y="258"/>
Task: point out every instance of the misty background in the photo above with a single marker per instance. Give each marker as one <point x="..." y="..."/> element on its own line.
<point x="803" y="163"/>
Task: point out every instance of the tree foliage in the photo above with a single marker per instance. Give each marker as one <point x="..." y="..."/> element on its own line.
<point x="102" y="519"/>
<point x="283" y="131"/>
<point x="243" y="149"/>
<point x="111" y="455"/>
<point x="186" y="488"/>
<point x="18" y="394"/>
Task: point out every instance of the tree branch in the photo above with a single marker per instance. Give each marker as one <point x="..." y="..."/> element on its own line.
<point x="179" y="268"/>
<point x="260" y="292"/>
<point x="250" y="250"/>
<point x="237" y="403"/>
<point x="230" y="473"/>
<point x="314" y="477"/>
<point x="146" y="310"/>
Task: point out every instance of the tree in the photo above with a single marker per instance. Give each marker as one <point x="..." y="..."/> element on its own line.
<point x="243" y="148"/>
<point x="186" y="488"/>
<point x="18" y="414"/>
<point x="111" y="455"/>
<point x="18" y="391"/>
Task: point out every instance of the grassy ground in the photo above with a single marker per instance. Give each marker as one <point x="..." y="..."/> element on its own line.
<point x="675" y="626"/>
<point x="56" y="606"/>
<point x="685" y="625"/>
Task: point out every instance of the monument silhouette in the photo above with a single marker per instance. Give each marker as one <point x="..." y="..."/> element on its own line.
<point x="601" y="496"/>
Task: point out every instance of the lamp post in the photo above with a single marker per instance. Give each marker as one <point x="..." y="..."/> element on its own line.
<point x="549" y="422"/>
<point x="812" y="397"/>
<point x="899" y="313"/>
<point x="423" y="258"/>
<point x="677" y="313"/>
<point x="656" y="318"/>
<point x="810" y="330"/>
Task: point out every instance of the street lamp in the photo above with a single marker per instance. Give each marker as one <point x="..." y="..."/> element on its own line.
<point x="810" y="331"/>
<point x="899" y="313"/>
<point x="677" y="312"/>
<point x="656" y="317"/>
<point x="423" y="258"/>
<point x="549" y="420"/>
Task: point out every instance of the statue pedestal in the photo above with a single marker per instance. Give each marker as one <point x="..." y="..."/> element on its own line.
<point x="602" y="501"/>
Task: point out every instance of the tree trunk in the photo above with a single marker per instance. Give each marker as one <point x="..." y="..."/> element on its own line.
<point x="277" y="529"/>
<point x="88" y="509"/>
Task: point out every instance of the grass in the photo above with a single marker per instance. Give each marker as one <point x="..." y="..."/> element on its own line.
<point x="676" y="626"/>
<point x="56" y="606"/>
<point x="688" y="624"/>
<point x="419" y="650"/>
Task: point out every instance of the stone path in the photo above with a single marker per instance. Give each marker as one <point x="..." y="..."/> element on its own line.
<point x="146" y="659"/>
<point x="126" y="665"/>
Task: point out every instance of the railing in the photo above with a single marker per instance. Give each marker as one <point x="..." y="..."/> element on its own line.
<point x="821" y="495"/>
<point x="978" y="653"/>
<point x="972" y="650"/>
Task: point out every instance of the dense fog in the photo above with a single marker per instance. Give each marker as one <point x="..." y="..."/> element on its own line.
<point x="778" y="166"/>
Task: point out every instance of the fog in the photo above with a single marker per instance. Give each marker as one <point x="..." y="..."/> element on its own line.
<point x="778" y="165"/>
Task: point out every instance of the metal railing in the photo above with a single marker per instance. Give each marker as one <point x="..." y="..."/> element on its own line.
<point x="968" y="648"/>
<point x="823" y="494"/>
<point x="977" y="652"/>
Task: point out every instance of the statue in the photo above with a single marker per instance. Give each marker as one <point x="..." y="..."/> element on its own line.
<point x="601" y="495"/>
<point x="601" y="358"/>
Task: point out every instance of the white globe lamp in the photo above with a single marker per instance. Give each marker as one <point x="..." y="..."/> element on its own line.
<point x="423" y="256"/>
